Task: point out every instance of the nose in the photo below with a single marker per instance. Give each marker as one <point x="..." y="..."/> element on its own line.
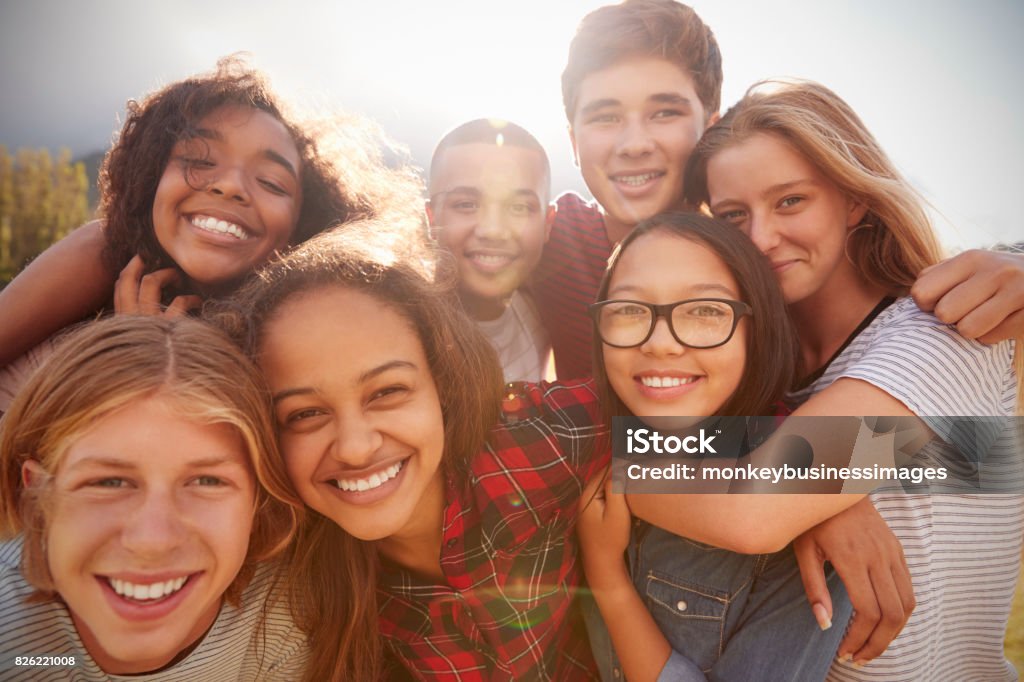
<point x="763" y="233"/>
<point x="230" y="183"/>
<point x="156" y="526"/>
<point x="661" y="342"/>
<point x="357" y="441"/>
<point x="635" y="139"/>
<point x="492" y="226"/>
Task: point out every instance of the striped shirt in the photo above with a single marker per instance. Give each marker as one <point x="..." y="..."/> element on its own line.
<point x="963" y="551"/>
<point x="520" y="339"/>
<point x="235" y="647"/>
<point x="567" y="280"/>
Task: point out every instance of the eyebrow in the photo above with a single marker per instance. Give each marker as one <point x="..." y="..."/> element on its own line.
<point x="122" y="465"/>
<point x="699" y="288"/>
<point x="670" y="98"/>
<point x="591" y="107"/>
<point x="473" y="191"/>
<point x="769" y="191"/>
<point x="269" y="154"/>
<point x="363" y="378"/>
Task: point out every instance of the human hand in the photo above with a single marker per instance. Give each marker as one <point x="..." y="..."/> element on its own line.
<point x="137" y="293"/>
<point x="869" y="560"/>
<point x="603" y="528"/>
<point x="979" y="291"/>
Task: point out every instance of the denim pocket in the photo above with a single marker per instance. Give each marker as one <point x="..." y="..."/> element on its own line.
<point x="692" y="617"/>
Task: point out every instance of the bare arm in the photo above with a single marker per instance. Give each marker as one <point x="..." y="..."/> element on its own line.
<point x="66" y="283"/>
<point x="765" y="523"/>
<point x="603" y="529"/>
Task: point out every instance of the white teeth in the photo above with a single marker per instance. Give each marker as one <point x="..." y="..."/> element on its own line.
<point x="636" y="180"/>
<point x="219" y="226"/>
<point x="375" y="480"/>
<point x="490" y="259"/>
<point x="665" y="382"/>
<point x="147" y="592"/>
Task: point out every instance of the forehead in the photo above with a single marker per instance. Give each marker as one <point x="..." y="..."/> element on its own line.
<point x="666" y="267"/>
<point x="634" y="81"/>
<point x="336" y="334"/>
<point x="759" y="158"/>
<point x="249" y="127"/>
<point x="138" y="434"/>
<point x="489" y="168"/>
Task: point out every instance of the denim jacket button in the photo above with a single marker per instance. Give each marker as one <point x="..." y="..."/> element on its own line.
<point x="681" y="605"/>
<point x="617" y="673"/>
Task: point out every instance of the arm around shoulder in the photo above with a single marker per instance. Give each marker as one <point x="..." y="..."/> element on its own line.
<point x="66" y="283"/>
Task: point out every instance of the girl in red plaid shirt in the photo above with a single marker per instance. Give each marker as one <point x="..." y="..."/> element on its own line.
<point x="449" y="536"/>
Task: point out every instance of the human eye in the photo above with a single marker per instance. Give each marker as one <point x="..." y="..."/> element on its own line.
<point x="302" y="414"/>
<point x="108" y="483"/>
<point x="603" y="117"/>
<point x="790" y="202"/>
<point x="521" y="208"/>
<point x="626" y="310"/>
<point x="209" y="481"/>
<point x="707" y="310"/>
<point x="274" y="187"/>
<point x="733" y="216"/>
<point x="668" y="113"/>
<point x="389" y="393"/>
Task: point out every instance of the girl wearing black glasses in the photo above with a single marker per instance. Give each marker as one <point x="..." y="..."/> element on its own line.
<point x="690" y="321"/>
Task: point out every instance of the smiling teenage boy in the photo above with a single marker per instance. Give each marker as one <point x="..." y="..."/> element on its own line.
<point x="489" y="207"/>
<point x="642" y="82"/>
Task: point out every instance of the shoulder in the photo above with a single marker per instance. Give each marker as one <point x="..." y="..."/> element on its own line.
<point x="576" y="215"/>
<point x="928" y="366"/>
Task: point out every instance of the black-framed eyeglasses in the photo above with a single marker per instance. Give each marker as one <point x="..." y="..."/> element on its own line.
<point x="694" y="323"/>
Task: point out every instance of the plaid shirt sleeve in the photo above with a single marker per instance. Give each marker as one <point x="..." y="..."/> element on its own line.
<point x="508" y="553"/>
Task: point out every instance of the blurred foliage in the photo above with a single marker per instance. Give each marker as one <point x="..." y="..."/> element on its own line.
<point x="41" y="200"/>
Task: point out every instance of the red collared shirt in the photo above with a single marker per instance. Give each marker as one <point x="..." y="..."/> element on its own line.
<point x="508" y="553"/>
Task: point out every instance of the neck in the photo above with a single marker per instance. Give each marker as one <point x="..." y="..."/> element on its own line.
<point x="484" y="309"/>
<point x="825" y="319"/>
<point x="417" y="546"/>
<point x="615" y="229"/>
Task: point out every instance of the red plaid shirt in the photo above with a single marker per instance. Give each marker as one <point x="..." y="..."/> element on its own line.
<point x="508" y="552"/>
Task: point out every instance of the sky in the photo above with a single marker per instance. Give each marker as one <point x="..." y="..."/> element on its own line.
<point x="937" y="81"/>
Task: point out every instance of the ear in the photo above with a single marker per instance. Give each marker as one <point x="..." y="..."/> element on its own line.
<point x="32" y="474"/>
<point x="549" y="220"/>
<point x="572" y="141"/>
<point x="855" y="214"/>
<point x="430" y="219"/>
<point x="712" y="120"/>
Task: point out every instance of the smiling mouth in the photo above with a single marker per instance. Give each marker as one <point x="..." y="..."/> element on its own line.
<point x="666" y="382"/>
<point x="147" y="593"/>
<point x="637" y="180"/>
<point x="217" y="226"/>
<point x="490" y="261"/>
<point x="375" y="480"/>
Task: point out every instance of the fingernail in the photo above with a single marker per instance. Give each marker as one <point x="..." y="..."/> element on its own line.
<point x="845" y="658"/>
<point x="859" y="664"/>
<point x="821" y="615"/>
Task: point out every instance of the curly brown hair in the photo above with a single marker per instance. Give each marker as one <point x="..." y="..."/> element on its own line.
<point x="342" y="173"/>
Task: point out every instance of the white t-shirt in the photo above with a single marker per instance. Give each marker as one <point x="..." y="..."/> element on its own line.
<point x="520" y="339"/>
<point x="234" y="649"/>
<point x="963" y="551"/>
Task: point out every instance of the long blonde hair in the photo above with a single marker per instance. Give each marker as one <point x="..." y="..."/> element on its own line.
<point x="109" y="364"/>
<point x="895" y="240"/>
